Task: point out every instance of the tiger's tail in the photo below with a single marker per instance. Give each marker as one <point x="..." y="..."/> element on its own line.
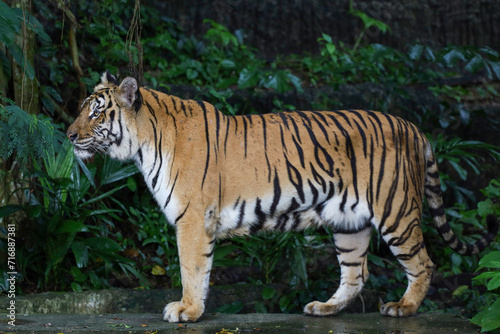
<point x="436" y="207"/>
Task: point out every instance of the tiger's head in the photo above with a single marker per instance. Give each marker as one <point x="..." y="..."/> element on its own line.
<point x="107" y="118"/>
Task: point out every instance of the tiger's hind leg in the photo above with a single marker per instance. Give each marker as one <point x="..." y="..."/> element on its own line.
<point x="351" y="253"/>
<point x="406" y="243"/>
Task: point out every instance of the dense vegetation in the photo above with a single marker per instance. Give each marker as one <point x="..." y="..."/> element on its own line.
<point x="94" y="226"/>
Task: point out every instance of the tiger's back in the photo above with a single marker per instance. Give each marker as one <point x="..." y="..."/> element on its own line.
<point x="215" y="175"/>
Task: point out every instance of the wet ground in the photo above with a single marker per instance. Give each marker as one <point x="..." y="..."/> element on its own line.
<point x="237" y="323"/>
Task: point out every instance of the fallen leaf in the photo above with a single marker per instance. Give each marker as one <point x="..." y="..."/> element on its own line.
<point x="158" y="271"/>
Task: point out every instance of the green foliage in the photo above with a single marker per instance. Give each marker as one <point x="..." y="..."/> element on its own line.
<point x="27" y="136"/>
<point x="489" y="318"/>
<point x="11" y="21"/>
<point x="462" y="156"/>
<point x="71" y="221"/>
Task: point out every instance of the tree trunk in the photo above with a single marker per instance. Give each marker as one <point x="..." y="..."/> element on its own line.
<point x="26" y="90"/>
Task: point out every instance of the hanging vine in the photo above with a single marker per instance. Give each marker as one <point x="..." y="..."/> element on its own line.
<point x="134" y="46"/>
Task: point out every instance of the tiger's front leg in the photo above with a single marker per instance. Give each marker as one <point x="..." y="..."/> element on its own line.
<point x="195" y="255"/>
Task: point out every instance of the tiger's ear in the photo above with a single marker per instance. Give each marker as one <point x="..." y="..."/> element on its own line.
<point x="126" y="91"/>
<point x="107" y="80"/>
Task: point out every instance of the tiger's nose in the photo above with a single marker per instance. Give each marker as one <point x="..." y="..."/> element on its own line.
<point x="72" y="136"/>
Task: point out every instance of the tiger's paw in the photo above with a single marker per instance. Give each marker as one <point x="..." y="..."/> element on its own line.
<point x="177" y="312"/>
<point x="399" y="309"/>
<point x="320" y="309"/>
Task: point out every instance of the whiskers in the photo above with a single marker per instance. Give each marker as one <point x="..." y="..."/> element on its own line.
<point x="93" y="146"/>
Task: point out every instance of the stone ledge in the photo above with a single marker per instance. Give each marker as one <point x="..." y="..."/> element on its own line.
<point x="240" y="323"/>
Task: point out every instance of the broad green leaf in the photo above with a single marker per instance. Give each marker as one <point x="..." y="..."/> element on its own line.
<point x="485" y="207"/>
<point x="495" y="68"/>
<point x="9" y="209"/>
<point x="489" y="258"/>
<point x="114" y="170"/>
<point x="452" y="56"/>
<point x="462" y="172"/>
<point x="81" y="254"/>
<point x="489" y="318"/>
<point x="460" y="290"/>
<point x="327" y="38"/>
<point x="228" y="64"/>
<point x="331" y="48"/>
<point x="415" y="51"/>
<point x="494" y="283"/>
<point x="76" y="287"/>
<point x="94" y="279"/>
<point x="268" y="293"/>
<point x="71" y="226"/>
<point x="475" y="64"/>
<point x="249" y="78"/>
<point x="284" y="302"/>
<point x="486" y="276"/>
<point x="88" y="174"/>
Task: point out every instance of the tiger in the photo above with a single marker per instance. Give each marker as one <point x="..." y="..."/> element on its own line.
<point x="215" y="176"/>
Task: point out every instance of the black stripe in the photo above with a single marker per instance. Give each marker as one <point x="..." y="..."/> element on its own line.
<point x="436" y="189"/>
<point x="358" y="115"/>
<point x="320" y="125"/>
<point x="281" y="222"/>
<point x="171" y="191"/>
<point x="277" y="193"/>
<point x="155" y="96"/>
<point x="202" y="105"/>
<point x="314" y="192"/>
<point x="183" y="107"/>
<point x="350" y="264"/>
<point x="156" y="149"/>
<point x="220" y="191"/>
<point x="344" y="200"/>
<point x="175" y="104"/>
<point x="139" y="152"/>
<point x="299" y="151"/>
<point x="296" y="221"/>
<point x="261" y="218"/>
<point x="211" y="253"/>
<point x="363" y="136"/>
<point x="242" y="214"/>
<point x="228" y="121"/>
<point x="217" y="126"/>
<point x="155" y="178"/>
<point x="295" y="179"/>
<point x="413" y="252"/>
<point x="237" y="201"/>
<point x="296" y="129"/>
<point x="437" y="212"/>
<point x="245" y="134"/>
<point x="433" y="175"/>
<point x="182" y="214"/>
<point x="318" y="178"/>
<point x="151" y="111"/>
<point x="344" y="250"/>
<point x="264" y="132"/>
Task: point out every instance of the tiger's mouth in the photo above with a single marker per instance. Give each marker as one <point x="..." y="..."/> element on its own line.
<point x="84" y="154"/>
<point x="87" y="149"/>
